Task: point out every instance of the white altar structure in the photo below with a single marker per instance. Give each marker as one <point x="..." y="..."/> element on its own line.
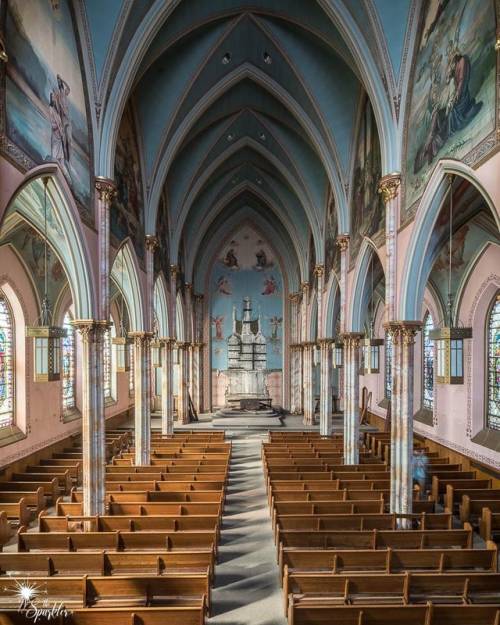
<point x="247" y="358"/>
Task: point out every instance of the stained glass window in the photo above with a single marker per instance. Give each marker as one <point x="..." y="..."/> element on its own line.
<point x="388" y="365"/>
<point x="68" y="365"/>
<point x="493" y="415"/>
<point x="131" y="379"/>
<point x="107" y="364"/>
<point x="6" y="365"/>
<point x="428" y="363"/>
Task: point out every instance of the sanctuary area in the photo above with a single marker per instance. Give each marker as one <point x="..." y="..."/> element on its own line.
<point x="249" y="312"/>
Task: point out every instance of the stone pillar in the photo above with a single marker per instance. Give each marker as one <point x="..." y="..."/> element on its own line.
<point x="188" y="298"/>
<point x="307" y="372"/>
<point x="343" y="243"/>
<point x="93" y="424"/>
<point x="106" y="191"/>
<point x="167" y="387"/>
<point x="182" y="399"/>
<point x="326" y="374"/>
<point x="304" y="311"/>
<point x="151" y="245"/>
<point x="142" y="396"/>
<point x="197" y="375"/>
<point x="319" y="272"/>
<point x="351" y="396"/>
<point x="389" y="189"/>
<point x="296" y="406"/>
<point x="403" y="341"/>
<point x="174" y="271"/>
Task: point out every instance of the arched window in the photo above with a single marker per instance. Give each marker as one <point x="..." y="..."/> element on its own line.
<point x="6" y="364"/>
<point x="107" y="364"/>
<point x="68" y="365"/>
<point x="427" y="363"/>
<point x="388" y="365"/>
<point x="493" y="380"/>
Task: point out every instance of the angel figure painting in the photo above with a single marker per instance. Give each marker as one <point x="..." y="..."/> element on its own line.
<point x="452" y="105"/>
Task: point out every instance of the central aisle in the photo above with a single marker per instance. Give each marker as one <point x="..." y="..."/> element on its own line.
<point x="247" y="588"/>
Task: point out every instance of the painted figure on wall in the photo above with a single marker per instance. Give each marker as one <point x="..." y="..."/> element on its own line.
<point x="217" y="323"/>
<point x="270" y="286"/>
<point x="46" y="112"/>
<point x="452" y="106"/>
<point x="368" y="215"/>
<point x="275" y="323"/>
<point x="223" y="286"/>
<point x="230" y="259"/>
<point x="332" y="257"/>
<point x="127" y="212"/>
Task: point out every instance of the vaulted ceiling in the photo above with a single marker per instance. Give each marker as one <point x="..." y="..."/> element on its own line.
<point x="247" y="109"/>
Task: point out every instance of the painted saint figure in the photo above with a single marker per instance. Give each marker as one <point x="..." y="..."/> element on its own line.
<point x="270" y="286"/>
<point x="230" y="259"/>
<point x="275" y="323"/>
<point x="60" y="121"/>
<point x="223" y="286"/>
<point x="217" y="322"/>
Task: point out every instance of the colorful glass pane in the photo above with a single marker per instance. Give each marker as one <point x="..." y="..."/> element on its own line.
<point x="68" y="365"/>
<point x="493" y="418"/>
<point x="388" y="365"/>
<point x="6" y="366"/>
<point x="428" y="364"/>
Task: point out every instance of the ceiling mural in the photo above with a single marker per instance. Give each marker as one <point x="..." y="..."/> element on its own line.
<point x="367" y="207"/>
<point x="127" y="208"/>
<point x="46" y="115"/>
<point x="452" y="106"/>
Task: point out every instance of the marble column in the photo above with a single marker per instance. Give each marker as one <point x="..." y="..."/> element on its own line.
<point x="197" y="375"/>
<point x="326" y="374"/>
<point x="351" y="396"/>
<point x="319" y="272"/>
<point x="142" y="396"/>
<point x="167" y="387"/>
<point x="304" y="311"/>
<point x="343" y="244"/>
<point x="106" y="192"/>
<point x="403" y="341"/>
<point x="296" y="379"/>
<point x="389" y="189"/>
<point x="151" y="245"/>
<point x="92" y="406"/>
<point x="182" y="398"/>
<point x="308" y="348"/>
<point x="174" y="272"/>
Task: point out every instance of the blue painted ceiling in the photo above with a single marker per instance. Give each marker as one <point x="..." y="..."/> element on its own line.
<point x="246" y="107"/>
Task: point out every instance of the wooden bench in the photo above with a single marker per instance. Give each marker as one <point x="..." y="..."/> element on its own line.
<point x="454" y="494"/>
<point x="5" y="529"/>
<point x="17" y="511"/>
<point x="39" y="474"/>
<point x="489" y="524"/>
<point x="115" y="541"/>
<point x="147" y="508"/>
<point x="33" y="499"/>
<point x="50" y="487"/>
<point x="390" y="560"/>
<point x="439" y="485"/>
<point x="106" y="563"/>
<point x="155" y="495"/>
<point x="471" y="507"/>
<point x="303" y="613"/>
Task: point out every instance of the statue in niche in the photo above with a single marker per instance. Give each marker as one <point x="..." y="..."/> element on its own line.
<point x="262" y="261"/>
<point x="230" y="259"/>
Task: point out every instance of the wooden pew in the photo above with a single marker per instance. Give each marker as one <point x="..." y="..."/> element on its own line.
<point x="17" y="511"/>
<point x="390" y="560"/>
<point x="439" y="485"/>
<point x="155" y="495"/>
<point x="455" y="494"/>
<point x="115" y="541"/>
<point x="50" y="487"/>
<point x="5" y="529"/>
<point x="303" y="613"/>
<point x="33" y="499"/>
<point x="38" y="474"/>
<point x="471" y="507"/>
<point x="106" y="563"/>
<point x="489" y="524"/>
<point x="148" y="508"/>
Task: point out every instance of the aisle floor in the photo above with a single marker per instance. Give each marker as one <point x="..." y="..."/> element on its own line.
<point x="247" y="588"/>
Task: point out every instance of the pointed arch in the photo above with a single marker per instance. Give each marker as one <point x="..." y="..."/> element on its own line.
<point x="125" y="273"/>
<point x="361" y="271"/>
<point x="161" y="307"/>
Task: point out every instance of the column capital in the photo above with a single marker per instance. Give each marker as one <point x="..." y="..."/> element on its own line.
<point x="294" y="297"/>
<point x="325" y="342"/>
<point x="388" y="186"/>
<point x="305" y="286"/>
<point x="167" y="341"/>
<point x="352" y="339"/>
<point x="188" y="286"/>
<point x="174" y="270"/>
<point x="198" y="344"/>
<point x="152" y="242"/>
<point x="182" y="344"/>
<point x="296" y="346"/>
<point x="91" y="327"/>
<point x="403" y="331"/>
<point x="106" y="189"/>
<point x="342" y="241"/>
<point x="319" y="270"/>
<point x="308" y="344"/>
<point x="141" y="338"/>
<point x="199" y="297"/>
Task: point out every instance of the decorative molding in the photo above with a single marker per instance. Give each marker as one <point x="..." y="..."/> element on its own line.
<point x="388" y="187"/>
<point x="151" y="242"/>
<point x="106" y="189"/>
<point x="342" y="241"/>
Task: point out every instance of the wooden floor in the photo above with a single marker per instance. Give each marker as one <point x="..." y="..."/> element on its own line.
<point x="244" y="529"/>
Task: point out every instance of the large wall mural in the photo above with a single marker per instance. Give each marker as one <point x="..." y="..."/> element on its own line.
<point x="452" y="105"/>
<point x="46" y="117"/>
<point x="127" y="209"/>
<point x="162" y="256"/>
<point x="246" y="267"/>
<point x="367" y="207"/>
<point x="332" y="252"/>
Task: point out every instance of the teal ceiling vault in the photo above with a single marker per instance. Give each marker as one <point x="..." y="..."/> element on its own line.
<point x="246" y="109"/>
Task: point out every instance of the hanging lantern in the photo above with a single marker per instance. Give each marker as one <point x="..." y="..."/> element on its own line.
<point x="156" y="346"/>
<point x="371" y="354"/>
<point x="47" y="337"/>
<point x="449" y="338"/>
<point x="338" y="354"/>
<point x="122" y="345"/>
